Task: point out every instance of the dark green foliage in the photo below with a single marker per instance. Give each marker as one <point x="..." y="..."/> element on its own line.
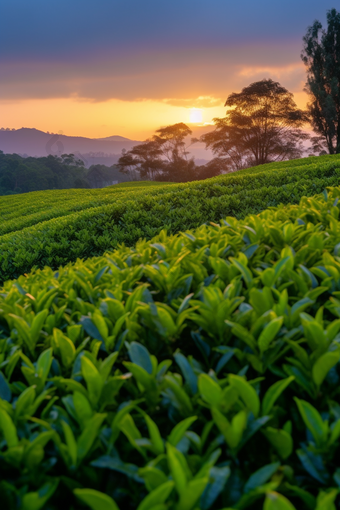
<point x="99" y="176"/>
<point x="191" y="372"/>
<point x="164" y="157"/>
<point x="321" y="55"/>
<point x="21" y="175"/>
<point x="67" y="225"/>
<point x="262" y="124"/>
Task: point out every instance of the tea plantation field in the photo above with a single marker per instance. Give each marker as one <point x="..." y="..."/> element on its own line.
<point x="51" y="228"/>
<point x="194" y="367"/>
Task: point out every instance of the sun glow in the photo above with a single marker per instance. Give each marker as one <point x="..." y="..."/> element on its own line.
<point x="195" y="115"/>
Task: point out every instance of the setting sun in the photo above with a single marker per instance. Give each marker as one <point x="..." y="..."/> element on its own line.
<point x="195" y="115"/>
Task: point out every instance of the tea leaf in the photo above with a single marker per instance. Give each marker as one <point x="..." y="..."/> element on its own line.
<point x="247" y="393"/>
<point x="275" y="501"/>
<point x="95" y="500"/>
<point x="323" y="365"/>
<point x="273" y="394"/>
<point x="157" y="496"/>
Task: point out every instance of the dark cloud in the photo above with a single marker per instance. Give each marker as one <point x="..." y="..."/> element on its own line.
<point x="41" y="28"/>
<point x="175" y="76"/>
<point x="176" y="51"/>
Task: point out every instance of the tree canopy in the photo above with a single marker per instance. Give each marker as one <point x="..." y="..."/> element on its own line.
<point x="164" y="157"/>
<point x="321" y="56"/>
<point x="262" y="124"/>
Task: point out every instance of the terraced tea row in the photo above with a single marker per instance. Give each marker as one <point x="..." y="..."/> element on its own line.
<point x="24" y="210"/>
<point x="129" y="216"/>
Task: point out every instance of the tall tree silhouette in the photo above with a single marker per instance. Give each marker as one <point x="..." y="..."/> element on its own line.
<point x="321" y="56"/>
<point x="262" y="124"/>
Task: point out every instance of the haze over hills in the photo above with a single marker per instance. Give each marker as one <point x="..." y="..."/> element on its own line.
<point x="33" y="142"/>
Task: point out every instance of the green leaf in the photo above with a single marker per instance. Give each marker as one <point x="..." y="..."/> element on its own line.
<point x="44" y="364"/>
<point x="91" y="329"/>
<point x="153" y="477"/>
<point x="155" y="436"/>
<point x="107" y="364"/>
<point x="83" y="409"/>
<point x="275" y="501"/>
<point x="115" y="464"/>
<point x="70" y="442"/>
<point x="308" y="499"/>
<point x="179" y="430"/>
<point x="246" y="273"/>
<point x="180" y="398"/>
<point x="323" y="365"/>
<point x="192" y="493"/>
<point x="157" y="496"/>
<point x="335" y="432"/>
<point x="24" y="402"/>
<point x="313" y="464"/>
<point x="72" y="385"/>
<point x="140" y="356"/>
<point x="66" y="347"/>
<point x="23" y="330"/>
<point x="281" y="440"/>
<point x="93" y="380"/>
<point x="95" y="500"/>
<point x="38" y="444"/>
<point x="128" y="427"/>
<point x="5" y="390"/>
<point x="269" y="333"/>
<point x="37" y="324"/>
<point x="232" y="434"/>
<point x="8" y="429"/>
<point x="176" y="469"/>
<point x="325" y="500"/>
<point x="273" y="394"/>
<point x="89" y="435"/>
<point x="116" y="422"/>
<point x="247" y="393"/>
<point x="187" y="371"/>
<point x="142" y="376"/>
<point x="209" y="389"/>
<point x="36" y="500"/>
<point x="100" y="323"/>
<point x="243" y="334"/>
<point x="261" y="476"/>
<point x="217" y="481"/>
<point x="313" y="421"/>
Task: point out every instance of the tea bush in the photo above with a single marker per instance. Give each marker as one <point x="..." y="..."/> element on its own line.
<point x="195" y="371"/>
<point x="84" y="223"/>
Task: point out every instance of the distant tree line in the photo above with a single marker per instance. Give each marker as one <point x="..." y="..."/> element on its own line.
<point x="21" y="175"/>
<point x="262" y="124"/>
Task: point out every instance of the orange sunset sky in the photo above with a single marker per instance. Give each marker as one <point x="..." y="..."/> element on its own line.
<point x="105" y="68"/>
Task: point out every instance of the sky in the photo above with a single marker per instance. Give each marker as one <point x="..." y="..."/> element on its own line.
<point x="99" y="68"/>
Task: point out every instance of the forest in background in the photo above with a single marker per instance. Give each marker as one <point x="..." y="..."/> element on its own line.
<point x="21" y="175"/>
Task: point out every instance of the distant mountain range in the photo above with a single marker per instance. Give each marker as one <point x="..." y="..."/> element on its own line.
<point x="106" y="151"/>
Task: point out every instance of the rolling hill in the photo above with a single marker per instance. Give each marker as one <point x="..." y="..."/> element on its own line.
<point x="105" y="151"/>
<point x="57" y="226"/>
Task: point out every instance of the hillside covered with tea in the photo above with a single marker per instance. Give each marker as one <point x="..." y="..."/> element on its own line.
<point x="51" y="228"/>
<point x="197" y="370"/>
